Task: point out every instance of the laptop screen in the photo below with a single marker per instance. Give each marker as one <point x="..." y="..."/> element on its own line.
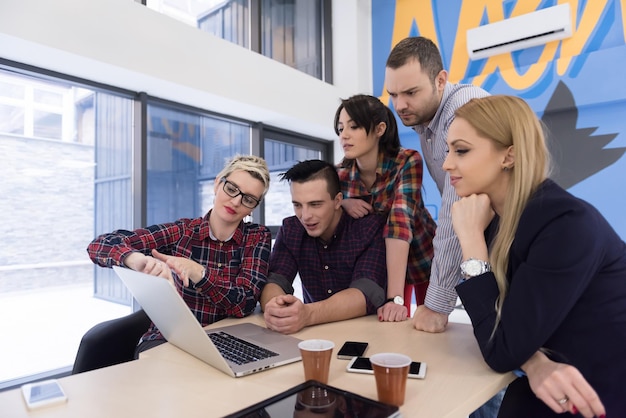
<point x="314" y="399"/>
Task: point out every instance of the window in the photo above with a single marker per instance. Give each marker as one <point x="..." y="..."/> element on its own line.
<point x="294" y="32"/>
<point x="281" y="152"/>
<point x="69" y="151"/>
<point x="186" y="150"/>
<point x="59" y="145"/>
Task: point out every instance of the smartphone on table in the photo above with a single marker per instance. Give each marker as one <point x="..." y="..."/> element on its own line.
<point x="352" y="349"/>
<point x="417" y="370"/>
<point x="44" y="393"/>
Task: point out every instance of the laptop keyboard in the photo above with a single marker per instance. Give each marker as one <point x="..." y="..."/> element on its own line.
<point x="237" y="350"/>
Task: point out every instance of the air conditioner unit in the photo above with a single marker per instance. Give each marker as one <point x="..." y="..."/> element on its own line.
<point x="531" y="29"/>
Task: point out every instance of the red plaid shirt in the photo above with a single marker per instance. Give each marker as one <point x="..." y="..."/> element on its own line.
<point x="236" y="270"/>
<point x="397" y="192"/>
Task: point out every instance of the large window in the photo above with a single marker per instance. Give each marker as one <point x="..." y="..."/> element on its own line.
<point x="58" y="141"/>
<point x="186" y="150"/>
<point x="80" y="160"/>
<point x="294" y="32"/>
<point x="281" y="152"/>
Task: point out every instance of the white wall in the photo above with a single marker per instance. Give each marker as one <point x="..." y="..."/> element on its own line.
<point x="352" y="51"/>
<point x="125" y="44"/>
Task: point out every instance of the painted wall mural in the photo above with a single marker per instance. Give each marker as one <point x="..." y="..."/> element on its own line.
<point x="577" y="85"/>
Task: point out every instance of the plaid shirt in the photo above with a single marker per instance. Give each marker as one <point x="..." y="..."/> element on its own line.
<point x="236" y="270"/>
<point x="397" y="192"/>
<point x="355" y="257"/>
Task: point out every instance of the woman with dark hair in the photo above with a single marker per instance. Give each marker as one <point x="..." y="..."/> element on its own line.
<point x="378" y="175"/>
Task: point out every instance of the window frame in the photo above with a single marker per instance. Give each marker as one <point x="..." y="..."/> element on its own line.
<point x="258" y="133"/>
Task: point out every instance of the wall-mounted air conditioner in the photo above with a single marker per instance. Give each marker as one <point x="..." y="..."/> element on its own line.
<point x="531" y="29"/>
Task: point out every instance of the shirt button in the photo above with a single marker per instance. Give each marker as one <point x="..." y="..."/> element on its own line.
<point x="325" y="267"/>
<point x="219" y="264"/>
<point x="429" y="139"/>
<point x="221" y="244"/>
<point x="329" y="291"/>
<point x="325" y="246"/>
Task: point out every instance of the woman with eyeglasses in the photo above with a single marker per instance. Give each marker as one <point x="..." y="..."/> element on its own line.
<point x="218" y="263"/>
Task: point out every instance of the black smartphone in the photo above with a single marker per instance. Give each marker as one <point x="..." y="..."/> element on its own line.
<point x="352" y="349"/>
<point x="417" y="370"/>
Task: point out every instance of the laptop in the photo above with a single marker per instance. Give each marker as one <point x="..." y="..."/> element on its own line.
<point x="222" y="348"/>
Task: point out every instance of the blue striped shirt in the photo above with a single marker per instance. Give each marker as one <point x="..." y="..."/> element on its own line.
<point x="444" y="274"/>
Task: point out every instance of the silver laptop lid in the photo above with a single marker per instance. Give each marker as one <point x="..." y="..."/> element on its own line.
<point x="169" y="312"/>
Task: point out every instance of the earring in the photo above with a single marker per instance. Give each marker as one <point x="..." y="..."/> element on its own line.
<point x="505" y="168"/>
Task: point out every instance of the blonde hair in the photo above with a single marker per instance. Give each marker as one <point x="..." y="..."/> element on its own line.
<point x="509" y="121"/>
<point x="251" y="164"/>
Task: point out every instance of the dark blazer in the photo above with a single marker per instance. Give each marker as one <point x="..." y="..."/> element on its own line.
<point x="567" y="293"/>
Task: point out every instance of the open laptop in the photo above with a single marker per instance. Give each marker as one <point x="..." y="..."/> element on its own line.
<point x="169" y="312"/>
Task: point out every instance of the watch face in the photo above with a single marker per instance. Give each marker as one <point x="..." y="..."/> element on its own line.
<point x="398" y="300"/>
<point x="474" y="267"/>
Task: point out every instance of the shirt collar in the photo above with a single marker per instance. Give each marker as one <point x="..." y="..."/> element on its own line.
<point x="354" y="170"/>
<point x="204" y="231"/>
<point x="338" y="230"/>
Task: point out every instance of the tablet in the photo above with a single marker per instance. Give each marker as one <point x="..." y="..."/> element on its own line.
<point x="316" y="399"/>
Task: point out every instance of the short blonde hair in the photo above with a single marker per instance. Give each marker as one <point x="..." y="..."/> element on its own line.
<point x="251" y="164"/>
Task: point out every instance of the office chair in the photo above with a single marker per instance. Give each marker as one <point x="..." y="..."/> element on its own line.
<point x="111" y="342"/>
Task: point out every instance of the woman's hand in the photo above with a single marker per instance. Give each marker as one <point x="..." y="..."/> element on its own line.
<point x="149" y="265"/>
<point x="356" y="208"/>
<point x="471" y="215"/>
<point x="391" y="312"/>
<point x="186" y="269"/>
<point x="562" y="387"/>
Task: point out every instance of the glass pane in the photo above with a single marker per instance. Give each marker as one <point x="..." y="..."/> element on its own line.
<point x="185" y="153"/>
<point x="47" y="125"/>
<point x="48" y="97"/>
<point x="280" y="156"/>
<point x="226" y="19"/>
<point x="229" y="20"/>
<point x="11" y="119"/>
<point x="50" y="208"/>
<point x="291" y="33"/>
<point x="10" y="89"/>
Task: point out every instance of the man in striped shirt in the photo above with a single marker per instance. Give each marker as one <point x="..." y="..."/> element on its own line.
<point x="425" y="100"/>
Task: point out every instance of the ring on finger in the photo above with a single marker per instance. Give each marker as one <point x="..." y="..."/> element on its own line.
<point x="563" y="400"/>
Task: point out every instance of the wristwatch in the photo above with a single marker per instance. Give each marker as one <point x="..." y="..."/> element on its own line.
<point x="398" y="300"/>
<point x="473" y="267"/>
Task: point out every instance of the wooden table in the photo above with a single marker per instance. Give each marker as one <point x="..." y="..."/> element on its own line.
<point x="167" y="382"/>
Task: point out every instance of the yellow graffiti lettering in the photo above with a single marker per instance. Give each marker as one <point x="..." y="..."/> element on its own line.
<point x="421" y="12"/>
<point x="504" y="62"/>
<point x="469" y="17"/>
<point x="570" y="47"/>
<point x="623" y="7"/>
<point x="407" y="12"/>
<point x="590" y="18"/>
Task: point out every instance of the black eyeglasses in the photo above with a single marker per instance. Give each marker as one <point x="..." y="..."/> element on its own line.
<point x="231" y="190"/>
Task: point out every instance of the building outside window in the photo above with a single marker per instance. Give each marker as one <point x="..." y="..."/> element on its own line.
<point x="294" y="32"/>
<point x="69" y="155"/>
<point x="51" y="135"/>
